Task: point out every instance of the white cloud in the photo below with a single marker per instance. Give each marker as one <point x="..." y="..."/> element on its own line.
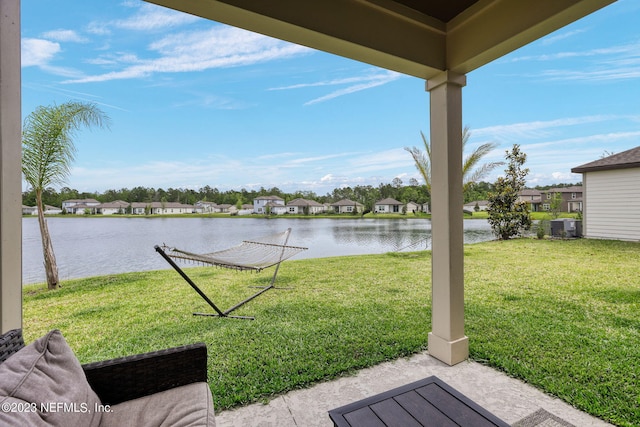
<point x="152" y="17"/>
<point x="560" y="36"/>
<point x="38" y="52"/>
<point x="629" y="49"/>
<point x="562" y="176"/>
<point x="604" y="64"/>
<point x="602" y="139"/>
<point x="608" y="74"/>
<point x="535" y="129"/>
<point x="65" y="36"/>
<point x="380" y="161"/>
<point x="218" y="47"/>
<point x="294" y="171"/>
<point x="356" y="84"/>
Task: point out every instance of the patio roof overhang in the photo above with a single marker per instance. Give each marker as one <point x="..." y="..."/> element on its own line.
<point x="438" y="40"/>
<point x="414" y="37"/>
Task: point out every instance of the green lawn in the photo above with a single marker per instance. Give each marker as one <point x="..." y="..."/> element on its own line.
<point x="561" y="315"/>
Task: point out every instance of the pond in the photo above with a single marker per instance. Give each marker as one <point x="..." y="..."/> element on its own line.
<point x="98" y="246"/>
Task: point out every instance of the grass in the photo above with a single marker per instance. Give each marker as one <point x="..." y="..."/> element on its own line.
<point x="560" y="315"/>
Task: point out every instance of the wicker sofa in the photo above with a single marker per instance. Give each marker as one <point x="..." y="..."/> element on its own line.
<point x="43" y="384"/>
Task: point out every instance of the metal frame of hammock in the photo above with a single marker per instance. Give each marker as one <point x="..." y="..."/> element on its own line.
<point x="262" y="256"/>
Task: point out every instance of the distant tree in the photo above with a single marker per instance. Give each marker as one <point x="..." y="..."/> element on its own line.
<point x="471" y="170"/>
<point x="397" y="183"/>
<point x="555" y="204"/>
<point x="509" y="217"/>
<point x="47" y="154"/>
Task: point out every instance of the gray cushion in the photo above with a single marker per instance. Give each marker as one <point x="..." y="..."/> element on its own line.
<point x="187" y="406"/>
<point x="46" y="375"/>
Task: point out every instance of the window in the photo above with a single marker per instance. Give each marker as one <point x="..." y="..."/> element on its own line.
<point x="548" y="195"/>
<point x="546" y="206"/>
<point x="573" y="195"/>
<point x="349" y="208"/>
<point x="292" y="209"/>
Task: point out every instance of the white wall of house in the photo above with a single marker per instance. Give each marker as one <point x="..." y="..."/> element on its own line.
<point x="279" y="210"/>
<point x="260" y="203"/>
<point x="172" y="210"/>
<point x="316" y="209"/>
<point x="348" y="208"/>
<point x="112" y="211"/>
<point x="612" y="204"/>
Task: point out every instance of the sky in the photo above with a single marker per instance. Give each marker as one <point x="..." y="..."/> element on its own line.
<point x="193" y="102"/>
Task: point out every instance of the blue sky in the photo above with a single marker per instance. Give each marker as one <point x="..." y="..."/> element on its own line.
<point x="194" y="103"/>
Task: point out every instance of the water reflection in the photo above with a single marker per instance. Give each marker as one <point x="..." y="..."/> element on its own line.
<point x="97" y="246"/>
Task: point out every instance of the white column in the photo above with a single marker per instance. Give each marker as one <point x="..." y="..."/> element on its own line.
<point x="447" y="341"/>
<point x="10" y="168"/>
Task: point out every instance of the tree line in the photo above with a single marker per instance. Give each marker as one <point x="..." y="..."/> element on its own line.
<point x="365" y="194"/>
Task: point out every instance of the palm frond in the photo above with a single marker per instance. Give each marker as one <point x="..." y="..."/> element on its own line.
<point x="423" y="164"/>
<point x="48" y="150"/>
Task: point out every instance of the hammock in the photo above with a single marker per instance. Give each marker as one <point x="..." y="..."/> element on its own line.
<point x="255" y="255"/>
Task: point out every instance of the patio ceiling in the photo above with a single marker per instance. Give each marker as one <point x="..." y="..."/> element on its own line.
<point x="416" y="37"/>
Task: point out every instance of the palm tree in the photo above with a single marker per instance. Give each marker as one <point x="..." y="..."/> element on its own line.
<point x="470" y="174"/>
<point x="47" y="154"/>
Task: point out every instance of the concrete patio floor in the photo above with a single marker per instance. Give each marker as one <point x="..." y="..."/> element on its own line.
<point x="508" y="398"/>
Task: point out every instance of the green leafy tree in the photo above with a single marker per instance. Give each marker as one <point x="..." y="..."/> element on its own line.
<point x="555" y="205"/>
<point x="509" y="217"/>
<point x="472" y="171"/>
<point x="47" y="154"/>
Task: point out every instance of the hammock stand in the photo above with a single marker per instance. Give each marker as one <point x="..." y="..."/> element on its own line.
<point x="259" y="254"/>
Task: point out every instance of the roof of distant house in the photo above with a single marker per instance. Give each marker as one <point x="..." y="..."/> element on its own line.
<point x="303" y="202"/>
<point x="388" y="201"/>
<point x="346" y="202"/>
<point x="268" y="198"/>
<point x="157" y="205"/>
<point x="115" y="204"/>
<point x="626" y="159"/>
<point x="81" y="201"/>
<point x="572" y="189"/>
<point x="478" y="202"/>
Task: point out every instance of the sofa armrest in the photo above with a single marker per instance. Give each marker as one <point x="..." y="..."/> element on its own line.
<point x="10" y="342"/>
<point x="126" y="378"/>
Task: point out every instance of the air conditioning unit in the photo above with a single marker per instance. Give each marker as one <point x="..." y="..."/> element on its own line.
<point x="566" y="227"/>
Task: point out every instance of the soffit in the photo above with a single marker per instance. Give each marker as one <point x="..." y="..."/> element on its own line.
<point x="415" y="37"/>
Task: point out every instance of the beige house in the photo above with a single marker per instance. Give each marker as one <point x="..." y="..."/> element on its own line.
<point x="413" y="207"/>
<point x="33" y="210"/>
<point x="204" y="207"/>
<point x="612" y="196"/>
<point x="305" y="207"/>
<point x="112" y="208"/>
<point x="439" y="42"/>
<point x="347" y="206"/>
<point x="80" y="206"/>
<point x="161" y="208"/>
<point x="481" y="205"/>
<point x="388" y="205"/>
